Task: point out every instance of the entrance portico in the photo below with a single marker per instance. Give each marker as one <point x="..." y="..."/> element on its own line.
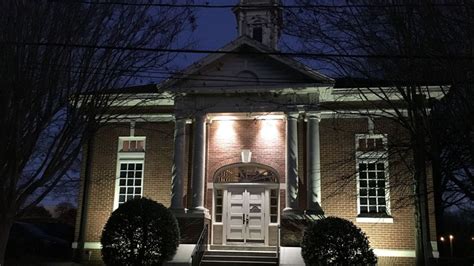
<point x="245" y="205"/>
<point x="243" y="198"/>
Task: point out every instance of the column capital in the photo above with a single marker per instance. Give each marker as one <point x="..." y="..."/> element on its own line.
<point x="292" y="115"/>
<point x="200" y="117"/>
<point x="313" y="115"/>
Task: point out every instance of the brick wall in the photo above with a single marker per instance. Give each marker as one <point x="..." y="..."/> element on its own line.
<point x="157" y="171"/>
<point x="339" y="196"/>
<point x="265" y="138"/>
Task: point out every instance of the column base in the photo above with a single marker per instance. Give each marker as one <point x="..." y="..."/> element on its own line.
<point x="198" y="212"/>
<point x="291" y="212"/>
<point x="178" y="211"/>
<point x="191" y="223"/>
<point x="292" y="224"/>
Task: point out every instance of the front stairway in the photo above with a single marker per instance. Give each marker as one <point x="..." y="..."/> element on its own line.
<point x="240" y="255"/>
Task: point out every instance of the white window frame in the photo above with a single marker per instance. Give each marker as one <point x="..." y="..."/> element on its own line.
<point x="370" y="157"/>
<point x="214" y="204"/>
<point x="128" y="157"/>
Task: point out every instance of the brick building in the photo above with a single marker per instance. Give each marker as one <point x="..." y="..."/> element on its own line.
<point x="247" y="141"/>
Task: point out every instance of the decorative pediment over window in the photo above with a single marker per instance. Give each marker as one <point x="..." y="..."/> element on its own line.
<point x="246" y="173"/>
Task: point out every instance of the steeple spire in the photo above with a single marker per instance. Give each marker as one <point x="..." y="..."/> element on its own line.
<point x="260" y="20"/>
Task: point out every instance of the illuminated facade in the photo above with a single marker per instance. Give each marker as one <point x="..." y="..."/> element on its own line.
<point x="247" y="142"/>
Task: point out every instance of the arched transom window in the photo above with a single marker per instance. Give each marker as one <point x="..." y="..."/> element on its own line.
<point x="246" y="173"/>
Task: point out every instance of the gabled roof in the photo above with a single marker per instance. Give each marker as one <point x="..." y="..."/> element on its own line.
<point x="234" y="47"/>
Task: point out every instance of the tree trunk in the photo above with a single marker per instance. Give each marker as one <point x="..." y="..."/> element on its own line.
<point x="79" y="252"/>
<point x="423" y="245"/>
<point x="6" y="222"/>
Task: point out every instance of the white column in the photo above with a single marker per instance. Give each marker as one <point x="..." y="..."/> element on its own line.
<point x="199" y="160"/>
<point x="292" y="161"/>
<point x="313" y="161"/>
<point x="179" y="162"/>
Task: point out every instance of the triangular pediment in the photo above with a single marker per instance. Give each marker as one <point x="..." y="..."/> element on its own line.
<point x="246" y="64"/>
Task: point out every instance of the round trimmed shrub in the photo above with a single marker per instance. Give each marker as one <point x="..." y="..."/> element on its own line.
<point x="140" y="232"/>
<point x="336" y="241"/>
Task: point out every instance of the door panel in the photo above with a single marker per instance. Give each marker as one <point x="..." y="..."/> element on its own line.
<point x="246" y="219"/>
<point x="255" y="213"/>
<point x="236" y="210"/>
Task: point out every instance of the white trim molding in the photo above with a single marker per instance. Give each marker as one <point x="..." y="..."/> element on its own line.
<point x="375" y="220"/>
<point x="88" y="245"/>
<point x="407" y="253"/>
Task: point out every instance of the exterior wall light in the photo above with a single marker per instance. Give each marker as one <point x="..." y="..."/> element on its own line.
<point x="246" y="156"/>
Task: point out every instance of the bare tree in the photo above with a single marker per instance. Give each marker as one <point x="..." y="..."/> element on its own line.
<point x="394" y="51"/>
<point x="57" y="61"/>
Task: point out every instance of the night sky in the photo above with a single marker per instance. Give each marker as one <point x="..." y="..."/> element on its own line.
<point x="215" y="28"/>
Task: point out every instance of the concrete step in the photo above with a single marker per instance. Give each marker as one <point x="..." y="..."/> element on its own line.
<point x="242" y="247"/>
<point x="267" y="254"/>
<point x="239" y="257"/>
<point x="235" y="263"/>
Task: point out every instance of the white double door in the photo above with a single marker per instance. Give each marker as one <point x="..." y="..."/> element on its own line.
<point x="246" y="215"/>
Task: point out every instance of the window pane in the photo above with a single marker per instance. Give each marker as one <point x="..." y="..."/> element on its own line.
<point x="130" y="174"/>
<point x="379" y="144"/>
<point x="218" y="218"/>
<point x="219" y="201"/>
<point x="382" y="209"/>
<point x="122" y="181"/>
<point x="372" y="201"/>
<point x="380" y="166"/>
<point x="381" y="192"/>
<point x="363" y="183"/>
<point x="363" y="175"/>
<point x="362" y="166"/>
<point x="372" y="209"/>
<point x="371" y="192"/>
<point x="273" y="219"/>
<point x="139" y="166"/>
<point x="363" y="192"/>
<point x="131" y="166"/>
<point x="129" y="197"/>
<point x="371" y="175"/>
<point x="138" y="191"/>
<point x="122" y="190"/>
<point x="257" y="34"/>
<point x="121" y="198"/>
<point x="133" y="145"/>
<point x="371" y="166"/>
<point x="273" y="193"/>
<point x="273" y="210"/>
<point x="363" y="201"/>
<point x="129" y="190"/>
<point x="123" y="166"/>
<point x="138" y="182"/>
<point x="273" y="201"/>
<point x="363" y="209"/>
<point x="126" y="145"/>
<point x="372" y="184"/>
<point x="382" y="201"/>
<point x="218" y="209"/>
<point x="140" y="145"/>
<point x="381" y="183"/>
<point x="219" y="192"/>
<point x="370" y="144"/>
<point x="129" y="182"/>
<point x="138" y="174"/>
<point x="381" y="175"/>
<point x="362" y="145"/>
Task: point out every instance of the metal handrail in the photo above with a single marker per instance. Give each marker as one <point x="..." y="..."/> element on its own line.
<point x="278" y="244"/>
<point x="200" y="248"/>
